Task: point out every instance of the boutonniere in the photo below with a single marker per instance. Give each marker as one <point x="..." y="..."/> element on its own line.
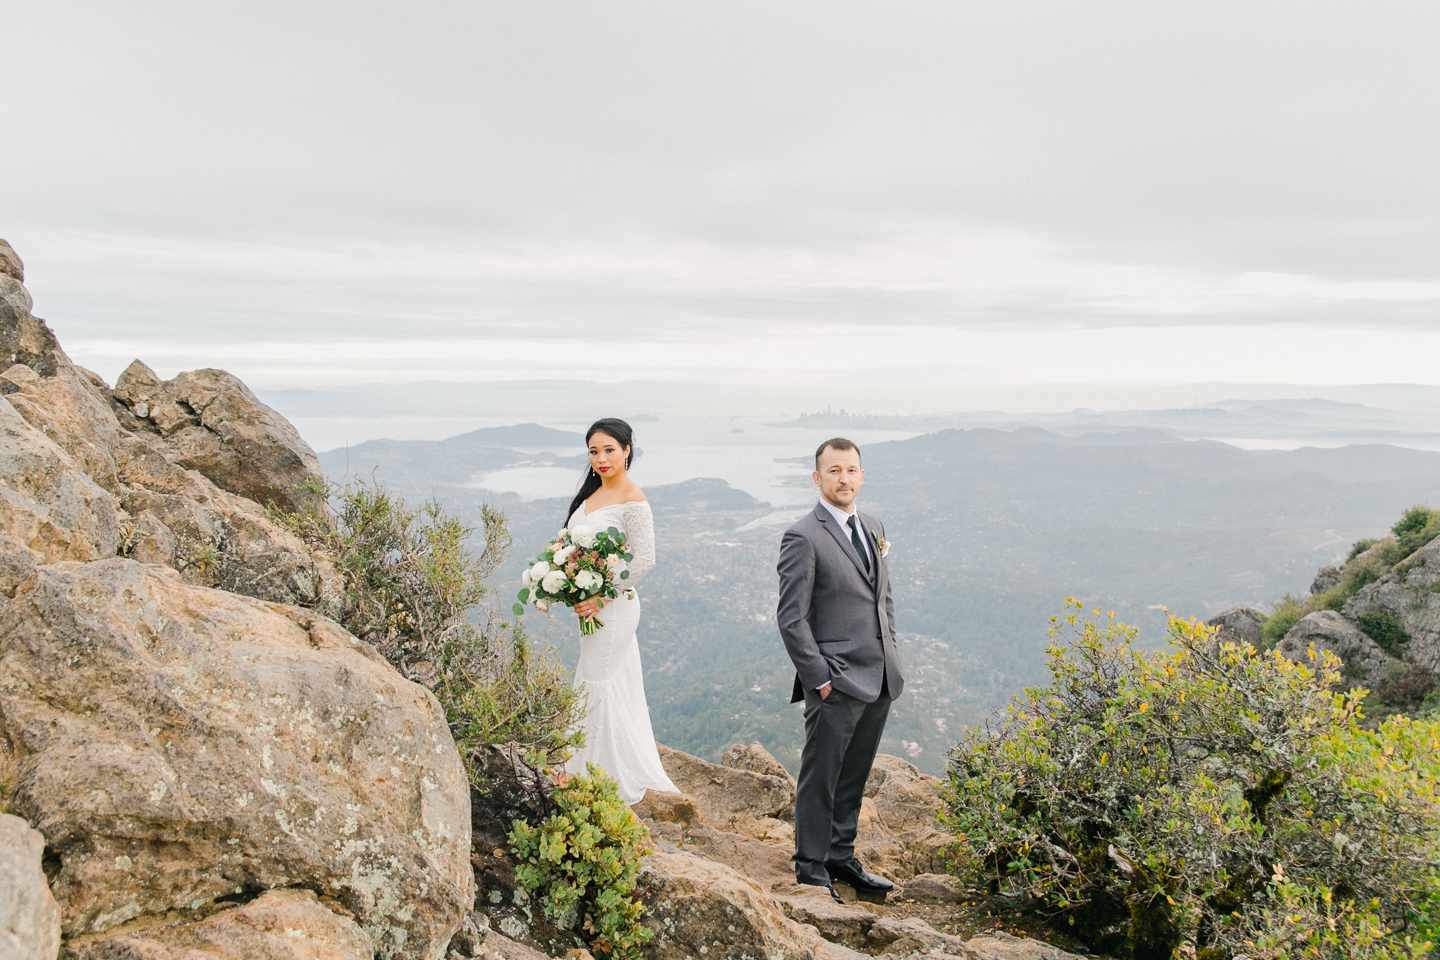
<point x="883" y="545"/>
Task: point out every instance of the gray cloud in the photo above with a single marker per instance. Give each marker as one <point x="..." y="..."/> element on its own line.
<point x="258" y="172"/>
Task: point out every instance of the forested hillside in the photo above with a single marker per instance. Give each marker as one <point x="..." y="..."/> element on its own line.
<point x="991" y="530"/>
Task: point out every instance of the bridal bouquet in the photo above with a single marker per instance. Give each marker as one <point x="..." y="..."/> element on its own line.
<point x="578" y="565"/>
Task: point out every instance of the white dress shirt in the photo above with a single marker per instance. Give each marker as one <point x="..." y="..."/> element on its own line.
<point x="843" y="518"/>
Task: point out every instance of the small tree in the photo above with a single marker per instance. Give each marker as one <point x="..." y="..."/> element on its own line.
<point x="416" y="591"/>
<point x="1154" y="800"/>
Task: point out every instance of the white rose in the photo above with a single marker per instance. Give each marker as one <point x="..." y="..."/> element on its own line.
<point x="525" y="577"/>
<point x="587" y="580"/>
<point x="586" y="538"/>
<point x="537" y="572"/>
<point x="612" y="561"/>
<point x="561" y="534"/>
<point x="562" y="555"/>
<point x="554" y="581"/>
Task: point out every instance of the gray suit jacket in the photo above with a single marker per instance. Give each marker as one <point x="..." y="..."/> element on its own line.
<point x="838" y="623"/>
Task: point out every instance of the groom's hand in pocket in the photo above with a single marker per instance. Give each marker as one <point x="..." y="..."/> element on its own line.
<point x="824" y="692"/>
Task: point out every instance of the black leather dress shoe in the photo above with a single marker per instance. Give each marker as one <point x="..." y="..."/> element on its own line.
<point x="866" y="884"/>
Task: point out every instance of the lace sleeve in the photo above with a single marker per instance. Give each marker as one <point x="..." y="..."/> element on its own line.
<point x="640" y="530"/>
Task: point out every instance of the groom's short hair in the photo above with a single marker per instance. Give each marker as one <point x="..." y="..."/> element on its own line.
<point x="834" y="443"/>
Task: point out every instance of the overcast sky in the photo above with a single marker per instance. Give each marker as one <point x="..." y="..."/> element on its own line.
<point x="312" y="194"/>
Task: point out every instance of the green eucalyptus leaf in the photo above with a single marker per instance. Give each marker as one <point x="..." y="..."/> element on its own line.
<point x="624" y="574"/>
<point x="518" y="609"/>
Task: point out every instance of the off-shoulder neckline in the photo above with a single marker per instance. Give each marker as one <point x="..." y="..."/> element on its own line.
<point x="624" y="503"/>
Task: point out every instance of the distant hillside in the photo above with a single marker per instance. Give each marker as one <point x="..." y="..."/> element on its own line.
<point x="432" y="467"/>
<point x="991" y="529"/>
<point x="1320" y="421"/>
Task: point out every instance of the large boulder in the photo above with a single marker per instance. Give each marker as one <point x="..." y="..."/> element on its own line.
<point x="756" y="759"/>
<point x="907" y="810"/>
<point x="699" y="907"/>
<point x="180" y="746"/>
<point x="23" y="338"/>
<point x="1364" y="662"/>
<point x="214" y="424"/>
<point x="1410" y="593"/>
<point x="277" y="925"/>
<point x="732" y="798"/>
<point x="47" y="503"/>
<point x="71" y="409"/>
<point x="10" y="263"/>
<point x="214" y="537"/>
<point x="1326" y="579"/>
<point x="1238" y="625"/>
<point x="29" y="916"/>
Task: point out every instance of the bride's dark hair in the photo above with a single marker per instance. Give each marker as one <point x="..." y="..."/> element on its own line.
<point x="620" y="431"/>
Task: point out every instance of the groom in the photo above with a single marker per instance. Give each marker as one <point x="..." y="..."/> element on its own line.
<point x="837" y="618"/>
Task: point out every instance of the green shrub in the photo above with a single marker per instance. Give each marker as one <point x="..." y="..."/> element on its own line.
<point x="1146" y="799"/>
<point x="1418" y="527"/>
<point x="1384" y="629"/>
<point x="1359" y="547"/>
<point x="415" y="590"/>
<point x="583" y="863"/>
<point x="1285" y="613"/>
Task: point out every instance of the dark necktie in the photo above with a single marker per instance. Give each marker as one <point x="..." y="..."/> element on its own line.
<point x="859" y="544"/>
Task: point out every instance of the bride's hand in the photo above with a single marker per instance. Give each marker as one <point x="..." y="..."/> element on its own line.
<point x="590" y="607"/>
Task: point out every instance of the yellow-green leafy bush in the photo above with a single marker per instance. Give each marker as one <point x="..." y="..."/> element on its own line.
<point x="583" y="862"/>
<point x="1151" y="800"/>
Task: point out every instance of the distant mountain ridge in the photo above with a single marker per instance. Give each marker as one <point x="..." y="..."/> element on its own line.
<point x="991" y="528"/>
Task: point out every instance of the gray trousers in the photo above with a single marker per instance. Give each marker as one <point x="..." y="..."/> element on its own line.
<point x="842" y="734"/>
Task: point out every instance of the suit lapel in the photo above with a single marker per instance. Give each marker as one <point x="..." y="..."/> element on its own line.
<point x="842" y="537"/>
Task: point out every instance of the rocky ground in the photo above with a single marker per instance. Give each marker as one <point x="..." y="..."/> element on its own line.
<point x="719" y="883"/>
<point x="196" y="763"/>
<point x="1403" y="598"/>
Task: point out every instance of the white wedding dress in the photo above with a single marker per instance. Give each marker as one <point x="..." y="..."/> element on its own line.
<point x="618" y="735"/>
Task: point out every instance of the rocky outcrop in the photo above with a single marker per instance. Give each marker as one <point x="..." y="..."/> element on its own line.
<point x="1364" y="662"/>
<point x="277" y="925"/>
<point x="733" y="798"/>
<point x="178" y="746"/>
<point x="1326" y="579"/>
<point x="216" y="772"/>
<point x="906" y="810"/>
<point x="213" y="424"/>
<point x="10" y="263"/>
<point x="1238" y="625"/>
<point x="47" y="504"/>
<point x="29" y="917"/>
<point x="699" y="907"/>
<point x="160" y="508"/>
<point x="1410" y="595"/>
<point x="1388" y="630"/>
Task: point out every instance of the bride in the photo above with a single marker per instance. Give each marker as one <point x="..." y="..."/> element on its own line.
<point x="618" y="736"/>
